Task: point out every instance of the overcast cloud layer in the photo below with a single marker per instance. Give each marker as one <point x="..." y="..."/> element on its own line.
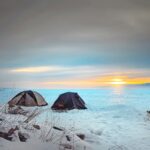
<point x="69" y="32"/>
<point x="103" y="33"/>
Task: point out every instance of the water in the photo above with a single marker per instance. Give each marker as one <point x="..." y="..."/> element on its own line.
<point x="115" y="119"/>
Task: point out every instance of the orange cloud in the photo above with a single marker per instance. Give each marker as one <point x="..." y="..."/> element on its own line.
<point x="97" y="82"/>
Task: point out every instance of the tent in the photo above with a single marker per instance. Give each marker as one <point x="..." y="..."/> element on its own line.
<point x="28" y="98"/>
<point x="68" y="101"/>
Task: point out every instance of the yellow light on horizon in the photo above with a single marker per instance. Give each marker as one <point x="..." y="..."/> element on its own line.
<point x="117" y="82"/>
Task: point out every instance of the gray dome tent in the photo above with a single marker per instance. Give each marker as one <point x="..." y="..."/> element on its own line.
<point x="68" y="101"/>
<point x="28" y="98"/>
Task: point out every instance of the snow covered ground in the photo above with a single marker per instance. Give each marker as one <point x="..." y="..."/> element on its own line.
<point x="116" y="119"/>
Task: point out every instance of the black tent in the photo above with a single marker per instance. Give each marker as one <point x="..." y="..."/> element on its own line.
<point x="28" y="98"/>
<point x="68" y="101"/>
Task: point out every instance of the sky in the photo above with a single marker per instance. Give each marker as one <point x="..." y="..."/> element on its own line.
<point x="74" y="43"/>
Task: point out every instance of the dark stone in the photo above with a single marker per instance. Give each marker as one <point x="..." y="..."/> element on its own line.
<point x="5" y="136"/>
<point x="148" y="112"/>
<point x="68" y="138"/>
<point x="1" y="119"/>
<point x="36" y="127"/>
<point x="23" y="136"/>
<point x="8" y="135"/>
<point x="56" y="128"/>
<point x="81" y="136"/>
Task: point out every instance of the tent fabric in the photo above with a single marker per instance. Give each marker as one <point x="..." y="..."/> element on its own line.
<point x="68" y="101"/>
<point x="28" y="98"/>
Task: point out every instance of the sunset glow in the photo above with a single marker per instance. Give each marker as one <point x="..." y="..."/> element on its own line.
<point x="59" y="76"/>
<point x="118" y="82"/>
<point x="96" y="82"/>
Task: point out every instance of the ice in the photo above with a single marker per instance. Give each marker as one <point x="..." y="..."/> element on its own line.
<point x="116" y="117"/>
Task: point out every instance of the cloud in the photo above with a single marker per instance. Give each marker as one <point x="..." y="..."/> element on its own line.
<point x="73" y="76"/>
<point x="81" y="32"/>
<point x="35" y="69"/>
<point x="57" y="39"/>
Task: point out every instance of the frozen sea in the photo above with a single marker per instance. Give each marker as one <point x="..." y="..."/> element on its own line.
<point x="116" y="117"/>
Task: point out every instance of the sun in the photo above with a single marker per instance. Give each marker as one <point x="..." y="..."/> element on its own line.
<point x="117" y="81"/>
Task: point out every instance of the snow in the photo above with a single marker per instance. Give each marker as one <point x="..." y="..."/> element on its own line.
<point x="33" y="144"/>
<point x="116" y="119"/>
<point x="44" y="138"/>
